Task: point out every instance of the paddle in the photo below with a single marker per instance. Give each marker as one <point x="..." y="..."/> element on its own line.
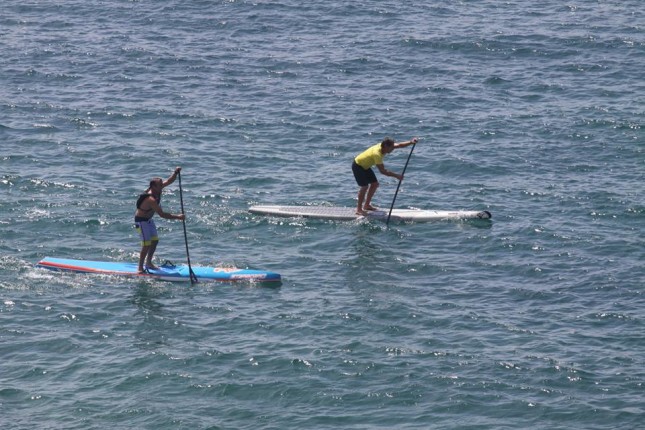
<point x="193" y="277"/>
<point x="387" y="222"/>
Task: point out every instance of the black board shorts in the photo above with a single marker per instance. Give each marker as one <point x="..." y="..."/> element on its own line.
<point x="363" y="177"/>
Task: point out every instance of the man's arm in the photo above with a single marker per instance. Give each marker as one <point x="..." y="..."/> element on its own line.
<point x="408" y="143"/>
<point x="172" y="177"/>
<point x="161" y="212"/>
<point x="383" y="170"/>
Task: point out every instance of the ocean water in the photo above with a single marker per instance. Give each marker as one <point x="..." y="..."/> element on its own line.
<point x="531" y="110"/>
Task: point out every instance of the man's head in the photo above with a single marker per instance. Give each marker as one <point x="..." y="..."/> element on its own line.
<point x="156" y="185"/>
<point x="387" y="145"/>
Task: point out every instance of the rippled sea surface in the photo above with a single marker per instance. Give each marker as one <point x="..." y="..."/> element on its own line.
<point x="531" y="110"/>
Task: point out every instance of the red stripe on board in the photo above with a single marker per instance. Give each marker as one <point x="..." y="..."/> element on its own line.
<point x="88" y="269"/>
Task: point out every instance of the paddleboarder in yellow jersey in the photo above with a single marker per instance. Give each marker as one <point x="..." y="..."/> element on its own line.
<point x="364" y="175"/>
<point x="148" y="204"/>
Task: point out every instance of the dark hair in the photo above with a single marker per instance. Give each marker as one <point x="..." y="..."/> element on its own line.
<point x="154" y="181"/>
<point x="388" y="141"/>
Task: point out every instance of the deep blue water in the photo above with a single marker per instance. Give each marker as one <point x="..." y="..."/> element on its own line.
<point x="533" y="111"/>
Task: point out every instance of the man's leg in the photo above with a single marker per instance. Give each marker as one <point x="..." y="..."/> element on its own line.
<point x="151" y="253"/>
<point x="370" y="193"/>
<point x="142" y="257"/>
<point x="361" y="197"/>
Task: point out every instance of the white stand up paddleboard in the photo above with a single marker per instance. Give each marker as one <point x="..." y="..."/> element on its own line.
<point x="347" y="214"/>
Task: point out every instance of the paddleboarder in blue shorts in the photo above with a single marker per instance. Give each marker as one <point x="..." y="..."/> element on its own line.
<point x="148" y="204"/>
<point x="364" y="175"/>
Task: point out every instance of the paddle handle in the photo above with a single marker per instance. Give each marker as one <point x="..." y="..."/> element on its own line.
<point x="387" y="222"/>
<point x="193" y="277"/>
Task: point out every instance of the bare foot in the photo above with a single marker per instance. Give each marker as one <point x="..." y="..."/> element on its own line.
<point x="370" y="208"/>
<point x="361" y="213"/>
<point x="141" y="271"/>
<point x="151" y="267"/>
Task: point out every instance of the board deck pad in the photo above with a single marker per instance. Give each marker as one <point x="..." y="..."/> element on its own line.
<point x="168" y="272"/>
<point x="347" y="214"/>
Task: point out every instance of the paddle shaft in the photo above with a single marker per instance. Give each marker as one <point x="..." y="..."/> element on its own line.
<point x="193" y="277"/>
<point x="399" y="185"/>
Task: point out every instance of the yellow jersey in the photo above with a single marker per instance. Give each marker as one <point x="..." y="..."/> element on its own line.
<point x="370" y="157"/>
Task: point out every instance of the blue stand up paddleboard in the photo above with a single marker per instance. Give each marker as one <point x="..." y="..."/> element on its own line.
<point x="166" y="272"/>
